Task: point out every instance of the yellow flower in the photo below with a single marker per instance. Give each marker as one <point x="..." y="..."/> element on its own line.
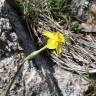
<point x="55" y="41"/>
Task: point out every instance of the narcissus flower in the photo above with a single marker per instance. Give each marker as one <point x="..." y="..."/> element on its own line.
<point x="55" y="41"/>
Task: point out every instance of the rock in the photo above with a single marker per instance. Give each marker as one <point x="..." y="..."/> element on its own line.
<point x="40" y="77"/>
<point x="8" y="38"/>
<point x="88" y="27"/>
<point x="3" y="36"/>
<point x="93" y="8"/>
<point x="78" y="9"/>
<point x="4" y="24"/>
<point x="13" y="36"/>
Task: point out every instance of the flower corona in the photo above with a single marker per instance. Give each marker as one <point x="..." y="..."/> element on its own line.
<point x="55" y="40"/>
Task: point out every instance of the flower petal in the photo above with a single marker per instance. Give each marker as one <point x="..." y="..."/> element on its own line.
<point x="59" y="37"/>
<point x="62" y="39"/>
<point x="59" y="49"/>
<point x="48" y="34"/>
<point x="52" y="44"/>
<point x="55" y="41"/>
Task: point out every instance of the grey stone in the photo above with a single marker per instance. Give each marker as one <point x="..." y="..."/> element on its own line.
<point x="4" y="22"/>
<point x="3" y="36"/>
<point x="13" y="36"/>
<point x="32" y="80"/>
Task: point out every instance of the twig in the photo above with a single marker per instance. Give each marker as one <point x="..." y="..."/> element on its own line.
<point x="92" y="71"/>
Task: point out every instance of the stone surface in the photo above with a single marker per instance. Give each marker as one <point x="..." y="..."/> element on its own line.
<point x="42" y="76"/>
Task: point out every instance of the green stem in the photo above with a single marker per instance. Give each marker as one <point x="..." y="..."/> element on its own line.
<point x="29" y="57"/>
<point x="34" y="54"/>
